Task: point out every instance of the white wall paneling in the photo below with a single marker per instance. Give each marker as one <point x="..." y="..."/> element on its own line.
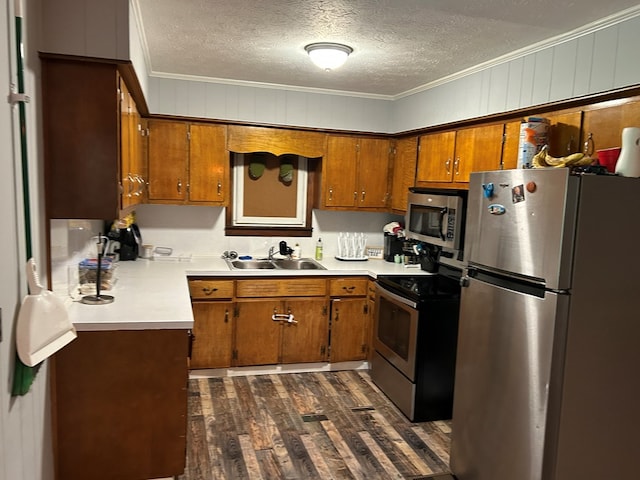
<point x="626" y="71"/>
<point x="604" y="60"/>
<point x="584" y="64"/>
<point x="89" y="28"/>
<point x="541" y="88"/>
<point x="25" y="436"/>
<point x="564" y="71"/>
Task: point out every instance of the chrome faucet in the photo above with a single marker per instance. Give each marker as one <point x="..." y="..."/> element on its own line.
<point x="272" y="250"/>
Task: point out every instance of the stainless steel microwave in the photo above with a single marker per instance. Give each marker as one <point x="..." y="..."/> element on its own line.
<point x="436" y="216"/>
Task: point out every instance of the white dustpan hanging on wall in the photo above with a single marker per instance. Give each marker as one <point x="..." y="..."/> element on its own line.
<point x="43" y="325"/>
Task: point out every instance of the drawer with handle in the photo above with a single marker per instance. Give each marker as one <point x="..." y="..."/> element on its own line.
<point x="210" y="289"/>
<point x="346" y="287"/>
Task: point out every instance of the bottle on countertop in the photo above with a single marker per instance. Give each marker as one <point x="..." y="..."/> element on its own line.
<point x="297" y="252"/>
<point x="319" y="249"/>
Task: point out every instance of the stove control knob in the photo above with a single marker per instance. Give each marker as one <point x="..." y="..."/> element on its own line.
<point x="464" y="281"/>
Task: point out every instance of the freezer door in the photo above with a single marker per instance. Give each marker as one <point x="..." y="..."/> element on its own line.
<point x="523" y="221"/>
<point x="503" y="375"/>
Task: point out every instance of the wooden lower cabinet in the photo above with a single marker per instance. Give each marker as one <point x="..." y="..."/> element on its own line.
<point x="350" y="319"/>
<point x="306" y="340"/>
<point x="349" y="329"/>
<point x="261" y="340"/>
<point x="213" y="319"/>
<point x="245" y="322"/>
<point x="119" y="402"/>
<point x="257" y="335"/>
<point x="212" y="334"/>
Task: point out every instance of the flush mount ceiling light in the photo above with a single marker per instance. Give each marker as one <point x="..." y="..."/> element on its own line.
<point x="328" y="56"/>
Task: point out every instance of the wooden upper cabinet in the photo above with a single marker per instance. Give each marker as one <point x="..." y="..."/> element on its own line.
<point x="133" y="168"/>
<point x="564" y="133"/>
<point x="405" y="159"/>
<point x="478" y="149"/>
<point x="168" y="157"/>
<point x="607" y="120"/>
<point x="356" y="173"/>
<point x="373" y="173"/>
<point x="276" y="141"/>
<point x="452" y="156"/>
<point x="339" y="171"/>
<point x="208" y="164"/>
<point x="81" y="129"/>
<point x="188" y="163"/>
<point x="511" y="145"/>
<point x="436" y="156"/>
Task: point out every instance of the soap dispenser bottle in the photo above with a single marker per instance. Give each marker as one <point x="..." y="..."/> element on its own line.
<point x="319" y="249"/>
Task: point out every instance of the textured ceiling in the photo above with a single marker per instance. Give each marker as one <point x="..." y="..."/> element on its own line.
<point x="399" y="45"/>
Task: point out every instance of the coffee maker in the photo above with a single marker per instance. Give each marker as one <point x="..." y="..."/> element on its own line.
<point x="129" y="239"/>
<point x="393" y="245"/>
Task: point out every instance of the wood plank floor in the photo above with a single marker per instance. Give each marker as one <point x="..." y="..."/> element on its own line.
<point x="321" y="425"/>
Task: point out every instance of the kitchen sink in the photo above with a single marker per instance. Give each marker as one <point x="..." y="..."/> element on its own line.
<point x="250" y="264"/>
<point x="278" y="264"/>
<point x="298" y="264"/>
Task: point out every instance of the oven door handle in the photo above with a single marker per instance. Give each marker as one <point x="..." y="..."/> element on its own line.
<point x="397" y="298"/>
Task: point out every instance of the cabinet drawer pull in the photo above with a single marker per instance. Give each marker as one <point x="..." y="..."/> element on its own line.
<point x="209" y="291"/>
<point x="350" y="289"/>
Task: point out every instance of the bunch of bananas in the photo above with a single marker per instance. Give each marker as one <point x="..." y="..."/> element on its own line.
<point x="543" y="159"/>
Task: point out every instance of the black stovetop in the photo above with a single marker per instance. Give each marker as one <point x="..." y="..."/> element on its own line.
<point x="444" y="284"/>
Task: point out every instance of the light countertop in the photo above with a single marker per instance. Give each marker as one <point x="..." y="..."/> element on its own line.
<point x="152" y="294"/>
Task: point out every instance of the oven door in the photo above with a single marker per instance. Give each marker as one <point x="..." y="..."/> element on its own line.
<point x="396" y="331"/>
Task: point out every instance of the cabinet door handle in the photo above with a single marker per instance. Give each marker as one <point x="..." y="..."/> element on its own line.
<point x="219" y="188"/>
<point x="330" y="193"/>
<point x="456" y="165"/>
<point x="141" y="185"/>
<point x="355" y="196"/>
<point x="179" y="186"/>
<point x="209" y="291"/>
<point x="363" y="194"/>
<point x="287" y="317"/>
<point x="589" y="145"/>
<point x="226" y="315"/>
<point x="130" y="181"/>
<point x="447" y="166"/>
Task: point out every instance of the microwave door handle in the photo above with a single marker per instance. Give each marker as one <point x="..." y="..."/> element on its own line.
<point x="443" y="212"/>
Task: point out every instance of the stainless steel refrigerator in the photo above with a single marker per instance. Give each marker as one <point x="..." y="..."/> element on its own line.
<point x="547" y="384"/>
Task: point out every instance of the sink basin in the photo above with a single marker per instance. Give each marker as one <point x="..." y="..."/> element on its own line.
<point x="298" y="264"/>
<point x="251" y="264"/>
<point x="280" y="264"/>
